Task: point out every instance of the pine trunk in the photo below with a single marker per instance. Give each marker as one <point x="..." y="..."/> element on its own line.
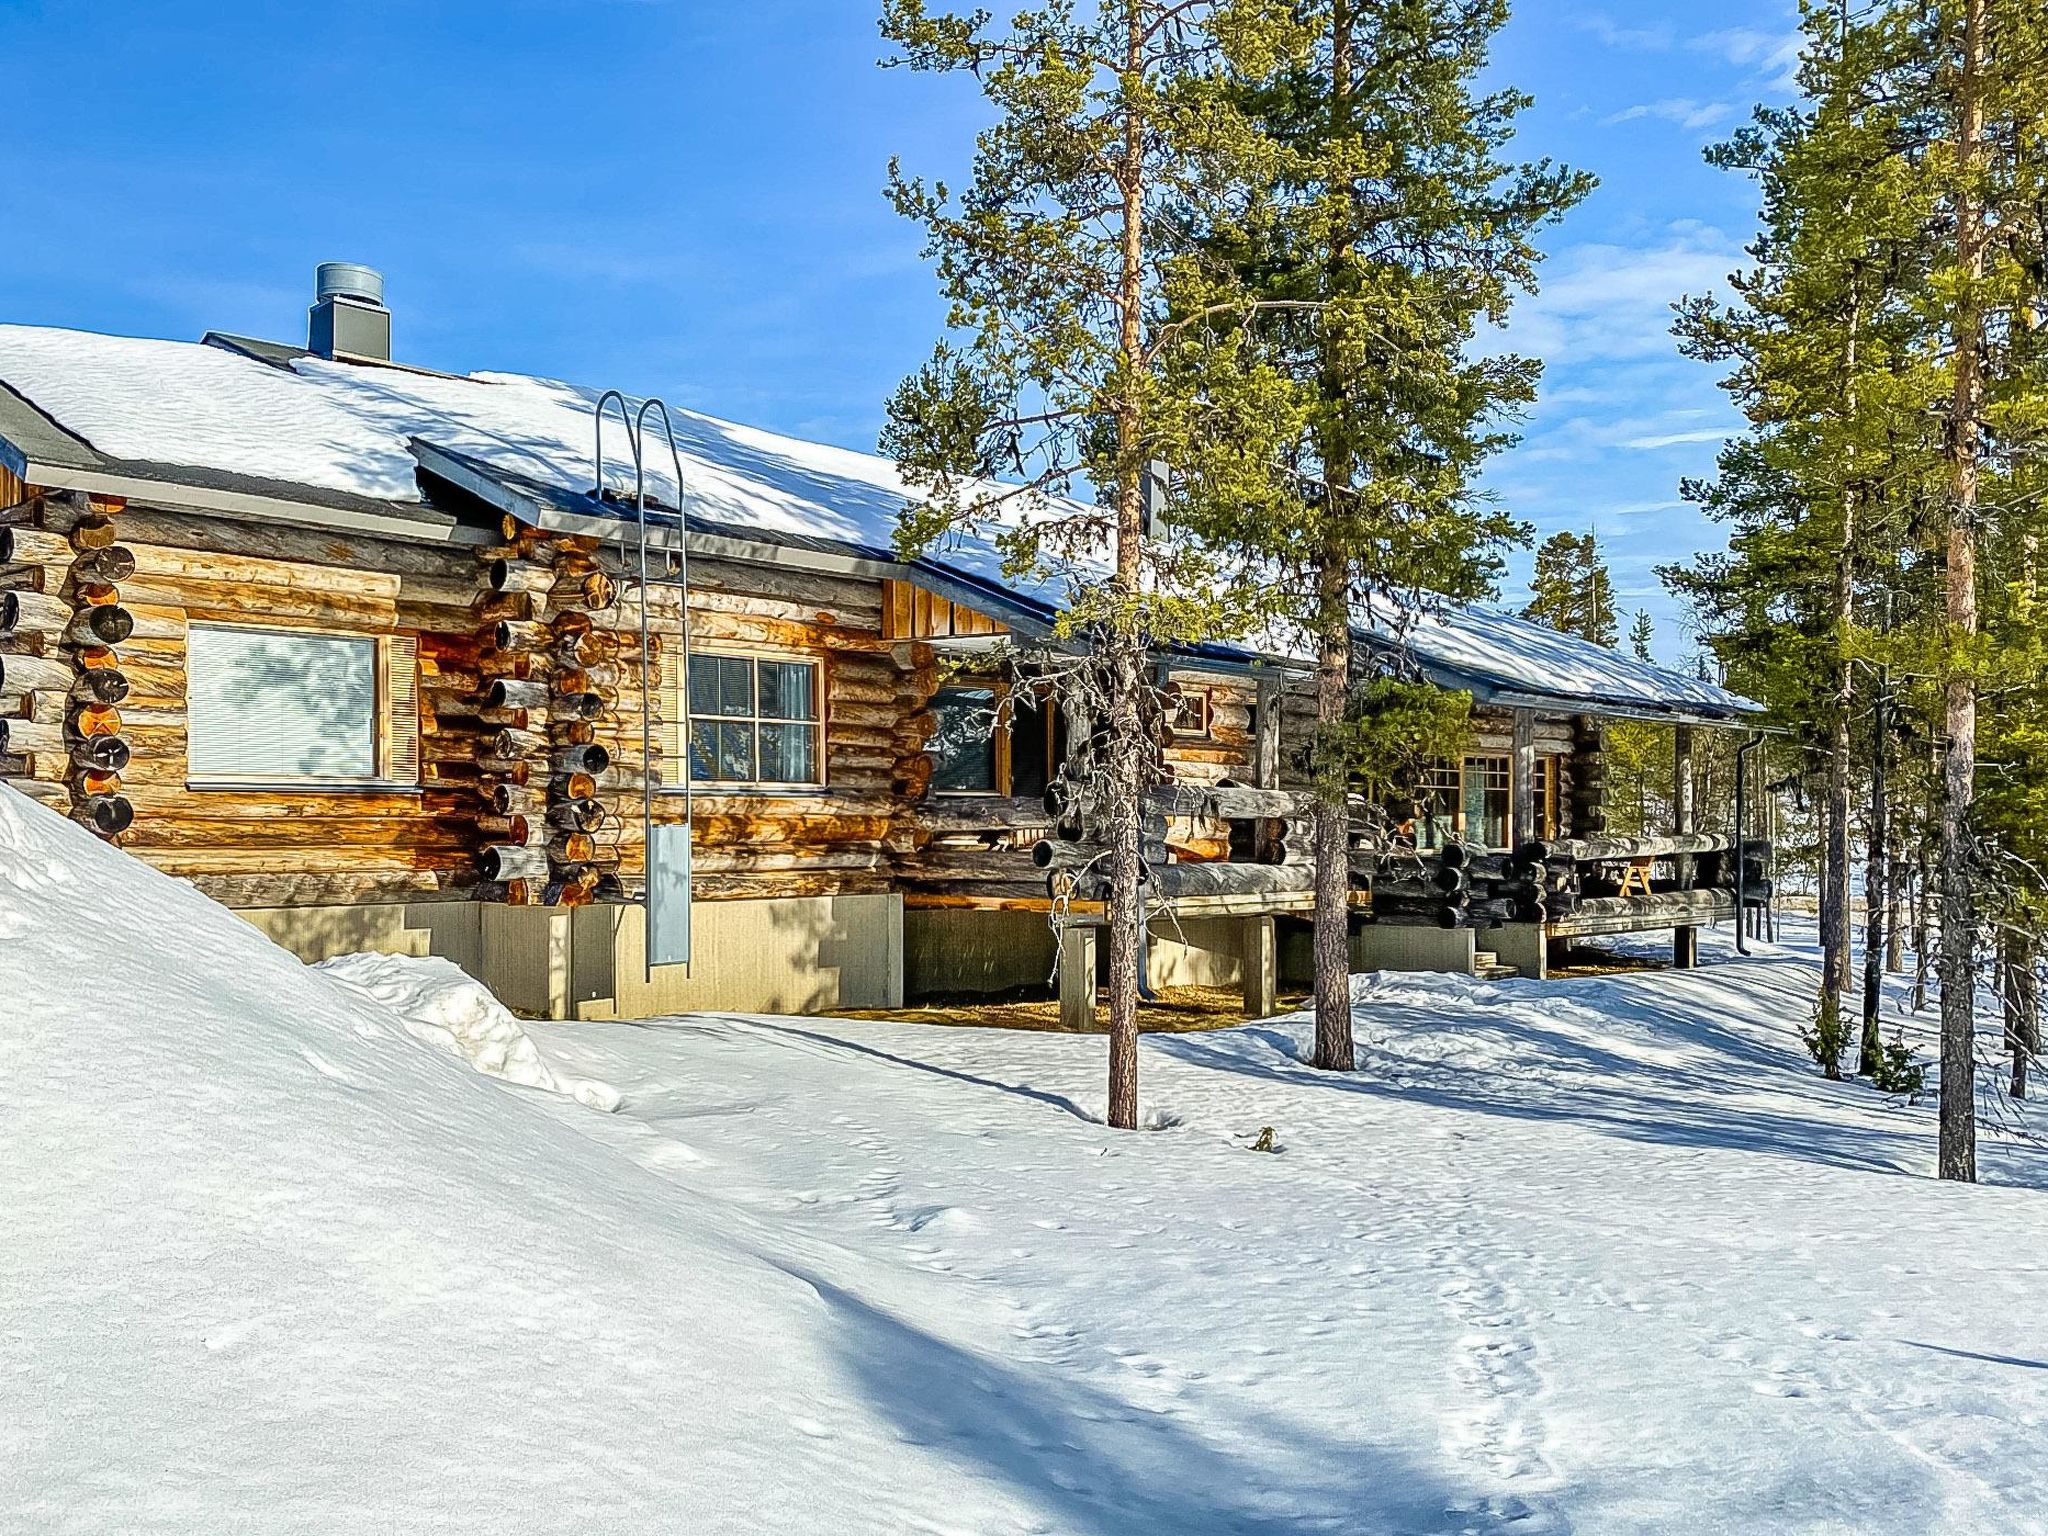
<point x="2023" y="1009"/>
<point x="1334" y="1048"/>
<point x="1125" y="657"/>
<point x="1875" y="899"/>
<point x="1959" y="756"/>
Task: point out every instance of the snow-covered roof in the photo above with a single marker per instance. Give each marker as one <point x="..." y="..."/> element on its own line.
<point x="349" y="428"/>
<point x="1505" y="659"/>
<point x="269" y="416"/>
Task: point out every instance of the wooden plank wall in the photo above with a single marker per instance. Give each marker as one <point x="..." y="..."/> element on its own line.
<point x="909" y="612"/>
<point x="283" y="847"/>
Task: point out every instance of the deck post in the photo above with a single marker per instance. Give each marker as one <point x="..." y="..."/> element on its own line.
<point x="1261" y="968"/>
<point x="1077" y="978"/>
<point x="1266" y="744"/>
<point x="1526" y="827"/>
<point x="1685" y="942"/>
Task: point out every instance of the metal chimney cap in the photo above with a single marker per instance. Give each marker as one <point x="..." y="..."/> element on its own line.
<point x="348" y="280"/>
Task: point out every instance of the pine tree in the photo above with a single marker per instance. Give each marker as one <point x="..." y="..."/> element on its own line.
<point x="1088" y="340"/>
<point x="1823" y="342"/>
<point x="1640" y="634"/>
<point x="1396" y="231"/>
<point x="1572" y="590"/>
<point x="1887" y="353"/>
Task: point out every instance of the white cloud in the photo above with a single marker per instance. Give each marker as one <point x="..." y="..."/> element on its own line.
<point x="1673" y="440"/>
<point x="1682" y="110"/>
<point x="1774" y="56"/>
<point x="1604" y="302"/>
<point x="1611" y="32"/>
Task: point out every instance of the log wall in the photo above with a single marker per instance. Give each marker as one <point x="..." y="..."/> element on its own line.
<point x="283" y="847"/>
<point x="843" y="837"/>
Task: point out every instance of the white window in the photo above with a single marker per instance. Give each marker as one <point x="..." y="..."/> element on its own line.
<point x="748" y="720"/>
<point x="269" y="706"/>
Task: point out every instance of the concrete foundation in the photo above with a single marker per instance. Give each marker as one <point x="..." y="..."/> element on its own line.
<point x="1387" y="947"/>
<point x="1196" y="952"/>
<point x="453" y="929"/>
<point x="952" y="951"/>
<point x="1522" y="945"/>
<point x="800" y="955"/>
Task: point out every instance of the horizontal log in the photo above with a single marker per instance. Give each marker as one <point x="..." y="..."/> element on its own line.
<point x="107" y="624"/>
<point x="1170" y="881"/>
<point x="102" y="685"/>
<point x="54" y="794"/>
<point x="33" y="612"/>
<point x="507" y="799"/>
<point x="303" y="888"/>
<point x="107" y="815"/>
<point x="93" y="532"/>
<point x="504" y="861"/>
<point x="26" y="736"/>
<point x="1598" y="850"/>
<point x="101" y="754"/>
<point x="22" y="673"/>
<point x="577" y="815"/>
<point x="33" y="546"/>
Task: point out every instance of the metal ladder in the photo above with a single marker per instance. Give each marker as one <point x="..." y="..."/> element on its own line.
<point x="667" y="845"/>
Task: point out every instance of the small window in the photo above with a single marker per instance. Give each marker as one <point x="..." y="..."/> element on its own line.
<point x="1188" y="713"/>
<point x="281" y="706"/>
<point x="963" y="745"/>
<point x="1488" y="799"/>
<point x="754" y="720"/>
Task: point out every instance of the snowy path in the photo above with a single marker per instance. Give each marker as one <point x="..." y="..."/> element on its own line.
<point x="1594" y="1256"/>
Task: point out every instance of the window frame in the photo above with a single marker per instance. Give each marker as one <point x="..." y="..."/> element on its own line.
<point x="1548" y="766"/>
<point x="679" y="745"/>
<point x="1500" y="780"/>
<point x="999" y="738"/>
<point x="393" y="739"/>
<point x="1454" y="779"/>
<point x="1203" y="702"/>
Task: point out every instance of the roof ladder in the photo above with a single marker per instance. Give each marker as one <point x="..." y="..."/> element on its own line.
<point x="667" y="847"/>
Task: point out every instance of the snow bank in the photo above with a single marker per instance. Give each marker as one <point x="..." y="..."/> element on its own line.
<point x="441" y="1004"/>
<point x="271" y="1266"/>
<point x="1601" y="1256"/>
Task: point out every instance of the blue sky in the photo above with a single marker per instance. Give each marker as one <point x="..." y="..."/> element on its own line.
<point x="684" y="196"/>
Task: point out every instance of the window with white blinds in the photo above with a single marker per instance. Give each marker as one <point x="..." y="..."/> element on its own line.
<point x="268" y="706"/>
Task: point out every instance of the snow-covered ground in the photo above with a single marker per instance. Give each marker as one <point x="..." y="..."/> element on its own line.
<point x="1594" y="1256"/>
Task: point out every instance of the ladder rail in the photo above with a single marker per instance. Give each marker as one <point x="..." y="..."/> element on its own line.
<point x="678" y="578"/>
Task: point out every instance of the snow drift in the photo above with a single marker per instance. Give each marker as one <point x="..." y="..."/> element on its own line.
<point x="442" y="1005"/>
<point x="1599" y="1256"/>
<point x="271" y="1266"/>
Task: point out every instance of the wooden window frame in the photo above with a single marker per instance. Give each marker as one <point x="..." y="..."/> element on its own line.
<point x="1204" y="704"/>
<point x="680" y="747"/>
<point x="1455" y="777"/>
<point x="398" y="741"/>
<point x="1000" y="739"/>
<point x="1502" y="781"/>
<point x="1548" y="766"/>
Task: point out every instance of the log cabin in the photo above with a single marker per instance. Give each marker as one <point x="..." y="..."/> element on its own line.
<point x="369" y="653"/>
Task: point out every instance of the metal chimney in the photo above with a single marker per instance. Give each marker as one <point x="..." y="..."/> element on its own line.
<point x="348" y="319"/>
